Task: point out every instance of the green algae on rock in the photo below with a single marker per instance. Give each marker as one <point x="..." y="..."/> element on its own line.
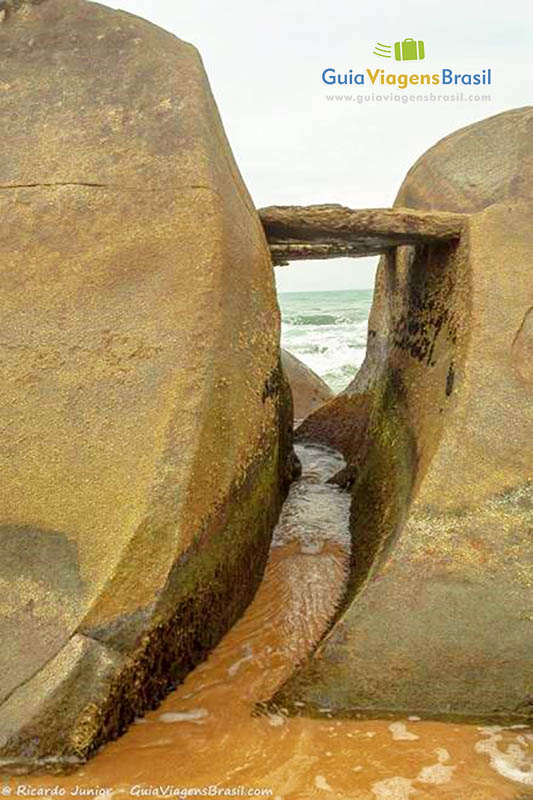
<point x="147" y="423"/>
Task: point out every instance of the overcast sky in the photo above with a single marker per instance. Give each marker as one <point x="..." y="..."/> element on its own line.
<point x="265" y="61"/>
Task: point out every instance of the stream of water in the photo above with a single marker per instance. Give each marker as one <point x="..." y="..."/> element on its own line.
<point x="206" y="738"/>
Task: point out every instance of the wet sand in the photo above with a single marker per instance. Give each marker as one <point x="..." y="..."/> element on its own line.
<point x="206" y="733"/>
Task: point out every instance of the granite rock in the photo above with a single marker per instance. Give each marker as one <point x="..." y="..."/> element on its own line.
<point x="146" y="422"/>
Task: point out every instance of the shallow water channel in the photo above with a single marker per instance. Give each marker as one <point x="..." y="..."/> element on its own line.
<point x="205" y="735"/>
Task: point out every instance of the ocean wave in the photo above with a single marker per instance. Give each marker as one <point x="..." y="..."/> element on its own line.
<point x="315" y="319"/>
<point x="336" y="362"/>
<point x="326" y="334"/>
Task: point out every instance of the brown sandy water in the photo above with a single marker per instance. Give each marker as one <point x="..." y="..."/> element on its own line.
<point x="205" y="736"/>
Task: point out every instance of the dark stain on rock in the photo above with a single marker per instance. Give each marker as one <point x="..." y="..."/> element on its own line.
<point x="40" y="570"/>
<point x="272" y="384"/>
<point x="450" y="380"/>
<point x="428" y="285"/>
<point x="124" y="632"/>
<point x="45" y="556"/>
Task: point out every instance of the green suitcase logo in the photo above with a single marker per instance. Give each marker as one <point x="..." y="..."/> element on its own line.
<point x="409" y="50"/>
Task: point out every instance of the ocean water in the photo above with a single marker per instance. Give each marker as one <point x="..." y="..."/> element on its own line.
<point x="327" y="331"/>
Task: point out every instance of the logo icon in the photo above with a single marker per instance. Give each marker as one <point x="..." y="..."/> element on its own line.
<point x="408" y="50"/>
<point x="383" y="50"/>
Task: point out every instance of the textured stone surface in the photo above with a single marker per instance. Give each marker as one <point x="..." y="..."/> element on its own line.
<point x="309" y="391"/>
<point x="437" y="430"/>
<point x="297" y="233"/>
<point x="145" y="418"/>
<point x="55" y="703"/>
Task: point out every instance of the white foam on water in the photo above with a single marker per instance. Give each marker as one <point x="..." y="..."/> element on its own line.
<point x="442" y="755"/>
<point x="438" y="773"/>
<point x="321" y="783"/>
<point x="247" y="656"/>
<point x="195" y="715"/>
<point x="393" y="789"/>
<point x="400" y="733"/>
<point x="513" y="763"/>
<point x="235" y="667"/>
<point x="315" y="512"/>
<point x="311" y="548"/>
<point x="153" y="743"/>
<point x="327" y="331"/>
<point x="490" y="729"/>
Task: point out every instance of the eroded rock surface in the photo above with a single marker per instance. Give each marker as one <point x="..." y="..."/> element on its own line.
<point x="298" y="233"/>
<point x="145" y="419"/>
<point x="437" y="430"/>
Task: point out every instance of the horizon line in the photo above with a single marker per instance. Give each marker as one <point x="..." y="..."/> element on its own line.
<point x="324" y="291"/>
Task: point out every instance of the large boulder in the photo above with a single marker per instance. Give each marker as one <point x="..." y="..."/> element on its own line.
<point x="146" y="423"/>
<point x="309" y="391"/>
<point x="437" y="430"/>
